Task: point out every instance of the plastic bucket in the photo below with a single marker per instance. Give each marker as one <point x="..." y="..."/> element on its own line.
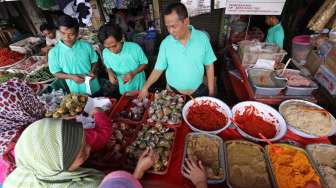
<point x="301" y="47"/>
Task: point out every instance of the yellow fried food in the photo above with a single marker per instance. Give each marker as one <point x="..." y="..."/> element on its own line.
<point x="292" y="168"/>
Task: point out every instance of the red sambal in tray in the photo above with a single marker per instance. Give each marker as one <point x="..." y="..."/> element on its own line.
<point x="252" y="122"/>
<point x="205" y="115"/>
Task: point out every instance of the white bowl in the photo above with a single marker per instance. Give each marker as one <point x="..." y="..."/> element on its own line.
<point x="224" y="108"/>
<point x="268" y="113"/>
<point x="299" y="132"/>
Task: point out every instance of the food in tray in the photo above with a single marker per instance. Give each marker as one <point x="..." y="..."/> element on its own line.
<point x="8" y="57"/>
<point x="205" y="115"/>
<point x="292" y="167"/>
<point x="252" y="122"/>
<point x="135" y="111"/>
<point x="295" y="79"/>
<point x="247" y="165"/>
<point x="52" y="100"/>
<point x="308" y="119"/>
<point x="114" y="150"/>
<point x="166" y="107"/>
<point x="157" y="137"/>
<point x="206" y="149"/>
<point x="71" y="105"/>
<point x="325" y="157"/>
<point x="40" y="75"/>
<point x="31" y="63"/>
<point x="5" y="76"/>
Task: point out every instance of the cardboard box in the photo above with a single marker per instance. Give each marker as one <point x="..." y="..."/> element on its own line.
<point x="331" y="60"/>
<point x="313" y="62"/>
<point x="327" y="79"/>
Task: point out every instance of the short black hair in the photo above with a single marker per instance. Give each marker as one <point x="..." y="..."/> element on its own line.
<point x="69" y="22"/>
<point x="110" y="30"/>
<point x="276" y="16"/>
<point x="47" y="26"/>
<point x="179" y="8"/>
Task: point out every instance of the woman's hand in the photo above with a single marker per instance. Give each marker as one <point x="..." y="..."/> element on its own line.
<point x="195" y="173"/>
<point x="78" y="79"/>
<point x="113" y="79"/>
<point x="145" y="162"/>
<point x="128" y="77"/>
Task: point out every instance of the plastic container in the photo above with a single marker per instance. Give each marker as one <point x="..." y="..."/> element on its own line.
<point x="265" y="82"/>
<point x="309" y="149"/>
<point x="221" y="154"/>
<point x="327" y="79"/>
<point x="267" y="148"/>
<point x="224" y="108"/>
<point x="227" y="162"/>
<point x="301" y="47"/>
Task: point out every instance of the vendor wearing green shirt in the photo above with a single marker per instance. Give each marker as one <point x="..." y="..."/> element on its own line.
<point x="125" y="61"/>
<point x="276" y="33"/>
<point x="72" y="59"/>
<point x="183" y="55"/>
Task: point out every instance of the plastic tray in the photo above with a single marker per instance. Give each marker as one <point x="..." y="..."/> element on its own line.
<point x="300" y="91"/>
<point x="40" y="82"/>
<point x="14" y="64"/>
<point x="25" y="45"/>
<point x="221" y="154"/>
<point x="267" y="147"/>
<point x="40" y="61"/>
<point x="125" y="103"/>
<point x="276" y="85"/>
<point x="128" y="167"/>
<point x="227" y="162"/>
<point x="309" y="152"/>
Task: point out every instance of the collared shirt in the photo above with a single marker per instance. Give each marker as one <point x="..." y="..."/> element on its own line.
<point x="128" y="59"/>
<point x="184" y="65"/>
<point x="276" y="35"/>
<point x="77" y="59"/>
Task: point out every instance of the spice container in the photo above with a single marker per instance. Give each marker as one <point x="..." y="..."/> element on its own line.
<point x="210" y="150"/>
<point x="246" y="165"/>
<point x="291" y="168"/>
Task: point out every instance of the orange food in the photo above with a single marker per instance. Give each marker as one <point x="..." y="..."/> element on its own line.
<point x="292" y="168"/>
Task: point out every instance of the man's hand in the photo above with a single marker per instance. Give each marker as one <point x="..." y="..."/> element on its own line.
<point x="143" y="94"/>
<point x="128" y="77"/>
<point x="78" y="79"/>
<point x="113" y="79"/>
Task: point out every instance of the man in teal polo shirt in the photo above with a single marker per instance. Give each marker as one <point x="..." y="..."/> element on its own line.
<point x="73" y="60"/>
<point x="275" y="34"/>
<point x="183" y="55"/>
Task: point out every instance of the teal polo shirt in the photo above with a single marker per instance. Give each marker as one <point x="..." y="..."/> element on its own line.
<point x="276" y="35"/>
<point x="77" y="59"/>
<point x="127" y="60"/>
<point x="184" y="65"/>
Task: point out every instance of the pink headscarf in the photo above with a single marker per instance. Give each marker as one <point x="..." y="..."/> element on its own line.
<point x="120" y="179"/>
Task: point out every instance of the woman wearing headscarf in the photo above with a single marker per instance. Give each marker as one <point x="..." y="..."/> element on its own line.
<point x="49" y="153"/>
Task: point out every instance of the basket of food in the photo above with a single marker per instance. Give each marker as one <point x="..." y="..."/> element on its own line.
<point x="158" y="137"/>
<point x="9" y="58"/>
<point x="324" y="156"/>
<point x="292" y="167"/>
<point x="253" y="118"/>
<point x="7" y="75"/>
<point x="307" y="119"/>
<point x="207" y="114"/>
<point x="166" y="107"/>
<point x="246" y="165"/>
<point x="30" y="64"/>
<point x="208" y="149"/>
<point x="41" y="75"/>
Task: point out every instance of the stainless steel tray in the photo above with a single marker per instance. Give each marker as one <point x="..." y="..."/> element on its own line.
<point x="300" y="149"/>
<point x="309" y="152"/>
<point x="272" y="86"/>
<point x="221" y="154"/>
<point x="227" y="162"/>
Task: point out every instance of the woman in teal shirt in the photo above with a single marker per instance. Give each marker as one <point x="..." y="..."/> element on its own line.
<point x="125" y="61"/>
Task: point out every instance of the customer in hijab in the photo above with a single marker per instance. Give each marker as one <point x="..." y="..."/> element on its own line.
<point x="49" y="153"/>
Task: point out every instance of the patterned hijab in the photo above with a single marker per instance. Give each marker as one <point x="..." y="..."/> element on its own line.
<point x="120" y="179"/>
<point x="45" y="151"/>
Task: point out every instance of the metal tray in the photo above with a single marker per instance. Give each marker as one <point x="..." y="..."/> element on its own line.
<point x="221" y="154"/>
<point x="269" y="171"/>
<point x="321" y="172"/>
<point x="301" y="91"/>
<point x="294" y="147"/>
<point x="273" y="86"/>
